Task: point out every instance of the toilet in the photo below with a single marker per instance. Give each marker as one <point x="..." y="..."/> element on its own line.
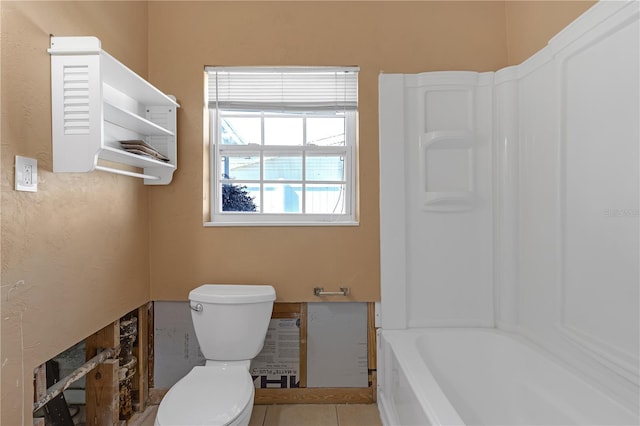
<point x="231" y="323"/>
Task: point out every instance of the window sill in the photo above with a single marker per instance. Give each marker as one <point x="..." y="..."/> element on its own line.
<point x="267" y="223"/>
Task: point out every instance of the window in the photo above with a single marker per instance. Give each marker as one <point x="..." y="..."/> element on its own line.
<point x="283" y="145"/>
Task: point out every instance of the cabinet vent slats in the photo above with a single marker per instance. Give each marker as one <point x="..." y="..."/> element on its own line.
<point x="76" y="100"/>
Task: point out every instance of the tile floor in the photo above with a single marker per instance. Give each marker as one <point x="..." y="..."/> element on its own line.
<point x="298" y="415"/>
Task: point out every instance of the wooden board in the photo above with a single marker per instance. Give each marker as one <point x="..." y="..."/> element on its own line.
<point x="141" y="385"/>
<point x="108" y="337"/>
<point x="150" y="345"/>
<point x="303" y="345"/>
<point x="102" y="395"/>
<point x="102" y="390"/>
<point x="286" y="310"/>
<point x="40" y="389"/>
<point x="314" y="396"/>
<point x="371" y="335"/>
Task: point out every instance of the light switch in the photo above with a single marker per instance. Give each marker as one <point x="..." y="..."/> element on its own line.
<point x="26" y="174"/>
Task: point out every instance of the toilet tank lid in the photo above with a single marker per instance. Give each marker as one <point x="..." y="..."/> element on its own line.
<point x="232" y="293"/>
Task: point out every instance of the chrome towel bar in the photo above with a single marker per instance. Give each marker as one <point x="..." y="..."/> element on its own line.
<point x="319" y="291"/>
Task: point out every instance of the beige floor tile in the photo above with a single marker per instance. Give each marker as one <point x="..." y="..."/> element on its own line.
<point x="358" y="415"/>
<point x="301" y="415"/>
<point x="257" y="415"/>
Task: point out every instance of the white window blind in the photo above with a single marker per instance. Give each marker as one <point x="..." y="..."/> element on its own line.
<point x="283" y="89"/>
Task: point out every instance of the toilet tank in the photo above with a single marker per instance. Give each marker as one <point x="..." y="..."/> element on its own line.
<point x="231" y="321"/>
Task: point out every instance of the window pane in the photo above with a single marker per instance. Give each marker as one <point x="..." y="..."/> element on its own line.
<point x="325" y="167"/>
<point x="240" y="130"/>
<point x="283" y="130"/>
<point x="325" y="131"/>
<point x="287" y="167"/>
<point x="240" y="197"/>
<point x="282" y="198"/>
<point x="240" y="167"/>
<point x="325" y="199"/>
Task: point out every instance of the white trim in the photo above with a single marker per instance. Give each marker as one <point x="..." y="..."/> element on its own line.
<point x="348" y="151"/>
<point x="297" y="69"/>
<point x="393" y="247"/>
<point x="289" y="223"/>
<point x="450" y="323"/>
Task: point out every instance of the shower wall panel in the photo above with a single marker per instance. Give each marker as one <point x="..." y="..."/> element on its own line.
<point x="513" y="198"/>
<point x="579" y="191"/>
<point x="438" y="195"/>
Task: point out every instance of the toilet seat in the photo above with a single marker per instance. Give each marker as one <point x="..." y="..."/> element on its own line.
<point x="209" y="395"/>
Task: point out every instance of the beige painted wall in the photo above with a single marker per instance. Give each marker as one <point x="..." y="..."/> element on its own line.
<point x="74" y="254"/>
<point x="377" y="36"/>
<point x="531" y="24"/>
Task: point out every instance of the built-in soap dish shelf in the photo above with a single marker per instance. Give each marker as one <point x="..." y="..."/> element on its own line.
<point x="448" y="201"/>
<point x="447" y="171"/>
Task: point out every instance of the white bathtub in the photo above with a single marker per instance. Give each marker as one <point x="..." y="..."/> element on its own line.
<point x="483" y="377"/>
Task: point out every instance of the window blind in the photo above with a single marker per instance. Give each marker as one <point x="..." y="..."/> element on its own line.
<point x="283" y="89"/>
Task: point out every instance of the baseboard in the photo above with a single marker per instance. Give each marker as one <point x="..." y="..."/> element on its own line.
<point x="314" y="396"/>
<point x="296" y="396"/>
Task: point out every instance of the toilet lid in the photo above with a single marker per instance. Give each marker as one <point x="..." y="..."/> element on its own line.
<point x="207" y="396"/>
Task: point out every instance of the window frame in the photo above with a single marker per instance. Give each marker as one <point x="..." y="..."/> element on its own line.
<point x="220" y="218"/>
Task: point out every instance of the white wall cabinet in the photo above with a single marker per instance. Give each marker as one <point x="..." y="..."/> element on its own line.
<point x="97" y="102"/>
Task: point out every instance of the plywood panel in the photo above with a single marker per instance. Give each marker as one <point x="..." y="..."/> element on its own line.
<point x="176" y="349"/>
<point x="337" y="345"/>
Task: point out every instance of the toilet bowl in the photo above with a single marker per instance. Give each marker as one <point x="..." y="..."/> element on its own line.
<point x="231" y="323"/>
<point x="209" y="395"/>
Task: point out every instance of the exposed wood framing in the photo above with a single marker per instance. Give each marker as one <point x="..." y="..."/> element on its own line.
<point x="40" y="381"/>
<point x="371" y="335"/>
<point x="303" y="345"/>
<point x="374" y="385"/>
<point x="150" y="343"/>
<point x="286" y="310"/>
<point x="61" y="385"/>
<point x="40" y="389"/>
<point x="102" y="395"/>
<point x="102" y="390"/>
<point x="304" y="395"/>
<point x="108" y="337"/>
<point x="372" y="348"/>
<point x="141" y="378"/>
<point x="301" y="395"/>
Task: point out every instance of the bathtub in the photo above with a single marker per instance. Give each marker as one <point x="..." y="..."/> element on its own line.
<point x="437" y="376"/>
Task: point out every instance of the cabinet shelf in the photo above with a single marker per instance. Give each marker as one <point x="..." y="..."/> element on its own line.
<point x="121" y="156"/>
<point x="96" y="102"/>
<point x="118" y="75"/>
<point x="123" y="118"/>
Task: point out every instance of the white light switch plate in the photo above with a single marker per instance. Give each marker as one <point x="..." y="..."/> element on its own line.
<point x="26" y="174"/>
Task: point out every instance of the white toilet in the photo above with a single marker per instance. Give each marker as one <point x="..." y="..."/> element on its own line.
<point x="231" y="323"/>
